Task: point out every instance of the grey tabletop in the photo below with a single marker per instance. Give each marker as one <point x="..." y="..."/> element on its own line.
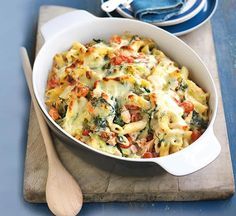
<point x="18" y="21"/>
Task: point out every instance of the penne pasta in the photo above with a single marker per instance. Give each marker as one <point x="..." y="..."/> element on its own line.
<point x="134" y="127"/>
<point x="126" y="97"/>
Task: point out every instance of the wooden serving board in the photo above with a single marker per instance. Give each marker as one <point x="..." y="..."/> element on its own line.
<point x="103" y="179"/>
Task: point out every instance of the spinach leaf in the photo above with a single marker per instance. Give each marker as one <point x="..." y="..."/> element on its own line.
<point x="100" y="122"/>
<point x="97" y="101"/>
<point x="106" y="57"/>
<point x="197" y="121"/>
<point x="140" y="90"/>
<point x="134" y="37"/>
<point x="106" y="66"/>
<point x="62" y="108"/>
<point x="183" y="86"/>
<point x="117" y="119"/>
<point x="86" y="124"/>
<point x="98" y="40"/>
<point x="147" y="90"/>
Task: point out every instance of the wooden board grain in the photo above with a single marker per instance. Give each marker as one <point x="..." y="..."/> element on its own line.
<point x="103" y="179"/>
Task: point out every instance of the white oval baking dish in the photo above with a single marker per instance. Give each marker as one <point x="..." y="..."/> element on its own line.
<point x="62" y="31"/>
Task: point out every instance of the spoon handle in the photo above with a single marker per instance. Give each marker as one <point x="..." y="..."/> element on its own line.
<point x="63" y="194"/>
<point x="111" y="5"/>
<point x="52" y="157"/>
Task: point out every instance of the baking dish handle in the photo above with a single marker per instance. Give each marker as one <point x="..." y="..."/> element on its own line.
<point x="64" y="21"/>
<point x="192" y="158"/>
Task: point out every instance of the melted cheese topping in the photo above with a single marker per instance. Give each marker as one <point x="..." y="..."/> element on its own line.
<point x="125" y="97"/>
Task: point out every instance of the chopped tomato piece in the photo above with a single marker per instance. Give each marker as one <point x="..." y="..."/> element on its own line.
<point x="128" y="59"/>
<point x="95" y="83"/>
<point x="195" y="135"/>
<point x="149" y="137"/>
<point x="53" y="82"/>
<point x="147" y="155"/>
<point x="78" y="137"/>
<point x="135" y="115"/>
<point x="85" y="132"/>
<point x="116" y="39"/>
<point x="54" y="113"/>
<point x="134" y="112"/>
<point x="90" y="50"/>
<point x="141" y="55"/>
<point x="129" y="138"/>
<point x="104" y="96"/>
<point x="153" y="99"/>
<point x="127" y="48"/>
<point x="104" y="135"/>
<point x="177" y="101"/>
<point x="71" y="105"/>
<point x="125" y="146"/>
<point x="130" y="142"/>
<point x="188" y="106"/>
<point x="70" y="80"/>
<point x="88" y="74"/>
<point x="117" y="60"/>
<point x="83" y="91"/>
<point x="155" y="154"/>
<point x="90" y="107"/>
<point x="132" y="107"/>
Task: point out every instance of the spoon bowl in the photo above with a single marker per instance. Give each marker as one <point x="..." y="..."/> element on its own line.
<point x="111" y="5"/>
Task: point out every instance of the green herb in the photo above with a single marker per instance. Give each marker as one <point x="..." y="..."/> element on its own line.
<point x="86" y="124"/>
<point x="137" y="90"/>
<point x="121" y="67"/>
<point x="147" y="90"/>
<point x="89" y="96"/>
<point x="94" y="101"/>
<point x="119" y="121"/>
<point x="140" y="90"/>
<point x="106" y="66"/>
<point x="62" y="108"/>
<point x="117" y="107"/>
<point x="119" y="148"/>
<point x="59" y="121"/>
<point x="94" y="68"/>
<point x="100" y="122"/>
<point x="150" y="130"/>
<point x="109" y="72"/>
<point x="106" y="57"/>
<point x="183" y="86"/>
<point x="151" y="114"/>
<point x="197" y="121"/>
<point x="97" y="101"/>
<point x="98" y="40"/>
<point x="120" y="139"/>
<point x="134" y="38"/>
<point x="160" y="142"/>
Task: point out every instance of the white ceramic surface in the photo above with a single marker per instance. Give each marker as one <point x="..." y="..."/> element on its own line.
<point x="82" y="26"/>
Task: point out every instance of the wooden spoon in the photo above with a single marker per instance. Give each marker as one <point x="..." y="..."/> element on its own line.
<point x="63" y="194"/>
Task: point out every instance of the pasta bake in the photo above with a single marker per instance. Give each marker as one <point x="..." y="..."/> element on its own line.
<point x="126" y="97"/>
